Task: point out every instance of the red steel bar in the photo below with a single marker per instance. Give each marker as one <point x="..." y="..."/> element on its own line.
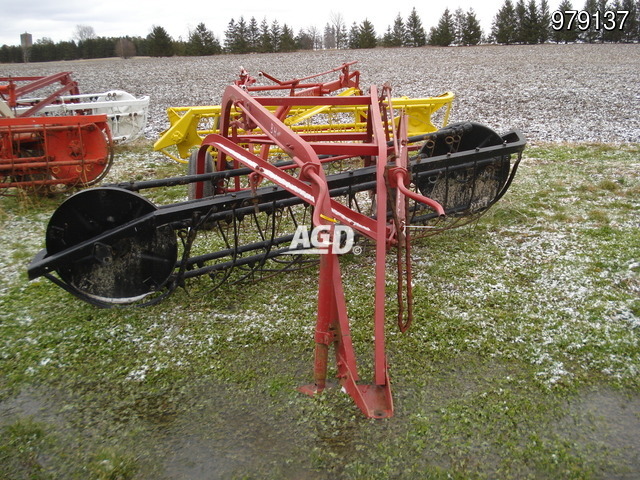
<point x="332" y="323"/>
<point x="14" y="92"/>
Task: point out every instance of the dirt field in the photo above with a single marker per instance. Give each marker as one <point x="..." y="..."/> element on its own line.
<point x="559" y="93"/>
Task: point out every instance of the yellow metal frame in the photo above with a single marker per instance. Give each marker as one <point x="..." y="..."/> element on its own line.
<point x="189" y="125"/>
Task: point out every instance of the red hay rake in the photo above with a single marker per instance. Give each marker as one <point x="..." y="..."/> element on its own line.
<point x="111" y="246"/>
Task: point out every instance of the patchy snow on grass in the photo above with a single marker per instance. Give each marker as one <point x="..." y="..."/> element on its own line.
<point x="18" y="249"/>
<point x="547" y="293"/>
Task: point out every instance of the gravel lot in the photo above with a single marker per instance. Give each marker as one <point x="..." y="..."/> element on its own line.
<point x="557" y="93"/>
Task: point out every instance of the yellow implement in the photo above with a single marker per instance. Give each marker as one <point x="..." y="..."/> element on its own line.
<point x="189" y="125"/>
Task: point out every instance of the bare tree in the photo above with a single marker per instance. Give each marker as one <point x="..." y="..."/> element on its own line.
<point x="125" y="48"/>
<point x="314" y="33"/>
<point x="329" y="37"/>
<point x="84" y="32"/>
<point x="340" y="29"/>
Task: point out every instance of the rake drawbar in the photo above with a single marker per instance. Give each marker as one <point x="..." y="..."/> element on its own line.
<point x="126" y="250"/>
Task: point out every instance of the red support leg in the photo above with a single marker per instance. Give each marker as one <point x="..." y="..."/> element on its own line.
<point x="332" y="327"/>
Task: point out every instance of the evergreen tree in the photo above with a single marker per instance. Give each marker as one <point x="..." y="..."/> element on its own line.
<point x="266" y="41"/>
<point x="565" y="35"/>
<point x="354" y="36"/>
<point x="11" y="54"/>
<point x="242" y="34"/>
<point x="504" y="29"/>
<point x="621" y="34"/>
<point x="530" y="25"/>
<point x="87" y="48"/>
<point x="472" y="33"/>
<point x="415" y="34"/>
<point x="142" y="45"/>
<point x="304" y="40"/>
<point x="230" y="37"/>
<point x="104" y="47"/>
<point x="287" y="40"/>
<point x="544" y="24"/>
<point x="160" y="44"/>
<point x="635" y="33"/>
<point x="526" y="21"/>
<point x="602" y="34"/>
<point x="43" y="50"/>
<point x="342" y="37"/>
<point x="253" y="35"/>
<point x="368" y="37"/>
<point x="397" y="34"/>
<point x="631" y="30"/>
<point x="276" y="36"/>
<point x="608" y="35"/>
<point x="235" y="40"/>
<point x="443" y="34"/>
<point x="520" y="21"/>
<point x="202" y="42"/>
<point x="590" y="35"/>
<point x="386" y="38"/>
<point x="69" y="51"/>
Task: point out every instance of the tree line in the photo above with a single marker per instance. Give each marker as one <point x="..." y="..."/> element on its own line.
<point x="519" y="22"/>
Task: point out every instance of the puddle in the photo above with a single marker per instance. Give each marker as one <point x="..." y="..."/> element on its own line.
<point x="230" y="436"/>
<point x="30" y="402"/>
<point x="609" y="420"/>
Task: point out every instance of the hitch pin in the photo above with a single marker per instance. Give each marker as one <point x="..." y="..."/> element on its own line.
<point x="405" y="226"/>
<point x="419" y="226"/>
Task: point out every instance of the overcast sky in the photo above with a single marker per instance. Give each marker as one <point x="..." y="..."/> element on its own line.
<point x="57" y="20"/>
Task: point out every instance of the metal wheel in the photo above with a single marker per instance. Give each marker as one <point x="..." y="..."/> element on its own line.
<point x="120" y="270"/>
<point x="468" y="189"/>
<point x="85" y="154"/>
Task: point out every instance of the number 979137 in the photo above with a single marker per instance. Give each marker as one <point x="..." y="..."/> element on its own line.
<point x="583" y="20"/>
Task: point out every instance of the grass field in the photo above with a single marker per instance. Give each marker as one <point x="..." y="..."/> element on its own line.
<point x="523" y="360"/>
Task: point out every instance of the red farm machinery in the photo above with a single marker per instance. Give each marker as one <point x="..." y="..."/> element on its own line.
<point x="350" y="174"/>
<point x="61" y="138"/>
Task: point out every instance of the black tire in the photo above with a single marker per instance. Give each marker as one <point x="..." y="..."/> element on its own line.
<point x="207" y="188"/>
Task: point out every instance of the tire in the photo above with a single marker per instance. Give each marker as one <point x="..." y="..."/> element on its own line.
<point x="207" y="187"/>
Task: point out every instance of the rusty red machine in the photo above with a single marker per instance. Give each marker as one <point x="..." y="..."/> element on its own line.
<point x="53" y="137"/>
<point x="111" y="246"/>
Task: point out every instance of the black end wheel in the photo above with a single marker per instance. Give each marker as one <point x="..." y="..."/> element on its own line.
<point x="464" y="186"/>
<point x="122" y="269"/>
